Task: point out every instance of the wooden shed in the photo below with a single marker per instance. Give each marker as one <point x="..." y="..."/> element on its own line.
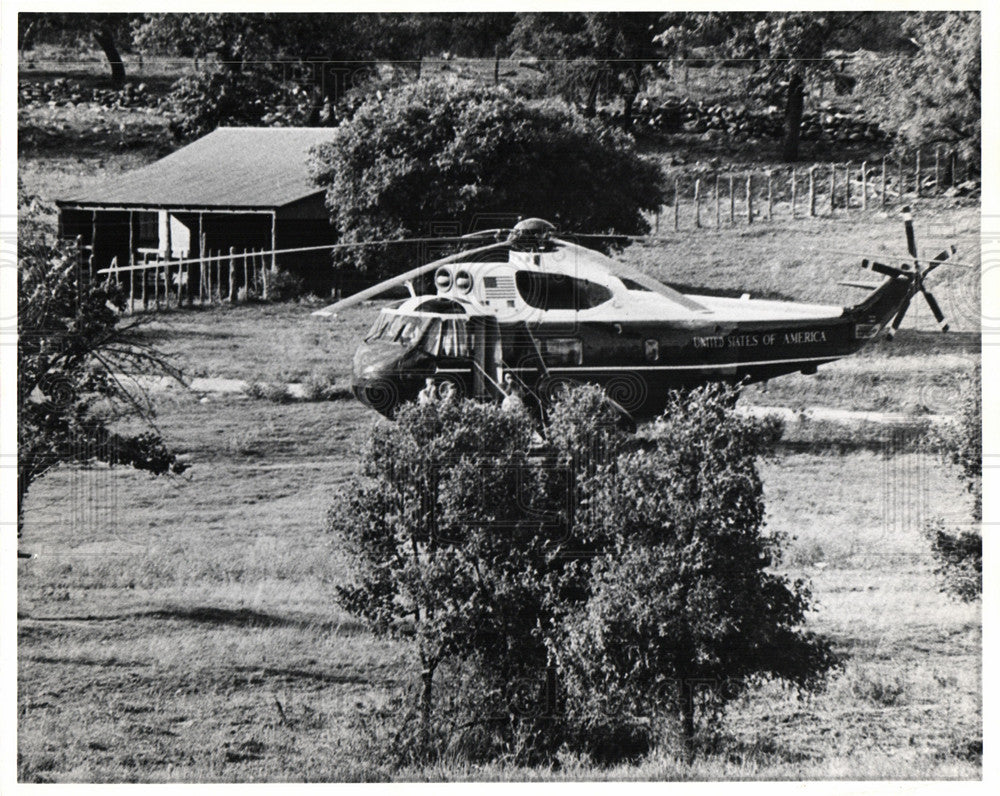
<point x="240" y="188"/>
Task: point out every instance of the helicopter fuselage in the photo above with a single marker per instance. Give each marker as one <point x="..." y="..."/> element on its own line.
<point x="619" y="343"/>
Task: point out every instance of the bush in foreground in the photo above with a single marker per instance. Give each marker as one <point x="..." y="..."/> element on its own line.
<point x="595" y="599"/>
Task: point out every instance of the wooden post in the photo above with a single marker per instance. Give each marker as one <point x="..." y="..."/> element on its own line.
<point x="496" y="66"/>
<point x="847" y="186"/>
<point x="749" y="198"/>
<point x="812" y="191"/>
<point x="795" y="181"/>
<point x="201" y="258"/>
<point x="232" y="276"/>
<point x="677" y="204"/>
<point x="770" y="195"/>
<point x="265" y="286"/>
<point x="142" y="289"/>
<point x="697" y="203"/>
<point x="954" y="168"/>
<point x="916" y="173"/>
<point x="718" y="215"/>
<point x="217" y="267"/>
<point x="885" y="176"/>
<point x="864" y="184"/>
<point x="901" y="186"/>
<point x="166" y="264"/>
<point x="246" y="276"/>
<point x="833" y="184"/>
<point x="156" y="281"/>
<point x="937" y="169"/>
<point x="131" y="260"/>
<point x="732" y="201"/>
<point x="274" y="240"/>
<point x="93" y="243"/>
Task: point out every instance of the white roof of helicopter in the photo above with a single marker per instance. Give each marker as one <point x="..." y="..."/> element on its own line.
<point x="625" y="304"/>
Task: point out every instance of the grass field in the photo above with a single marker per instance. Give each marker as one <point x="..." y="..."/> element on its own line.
<point x="185" y="629"/>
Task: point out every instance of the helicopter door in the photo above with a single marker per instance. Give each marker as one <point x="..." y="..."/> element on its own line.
<point x="484" y="334"/>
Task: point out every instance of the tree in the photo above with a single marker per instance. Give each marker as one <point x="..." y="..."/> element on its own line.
<point x="933" y="96"/>
<point x="959" y="553"/>
<point x="581" y="592"/>
<point x="684" y="608"/>
<point x="76" y="30"/>
<point x="782" y="51"/>
<point x="592" y="50"/>
<point x="445" y="533"/>
<point x="76" y="359"/>
<point x="459" y="153"/>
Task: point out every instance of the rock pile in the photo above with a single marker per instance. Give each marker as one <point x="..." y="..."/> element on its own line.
<point x="63" y="92"/>
<point x="683" y="115"/>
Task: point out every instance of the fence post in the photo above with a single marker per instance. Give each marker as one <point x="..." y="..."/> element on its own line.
<point x="217" y="264"/>
<point x="812" y="190"/>
<point x="794" y="189"/>
<point x="732" y="201"/>
<point x="937" y="169"/>
<point x="232" y="276"/>
<point x="265" y="289"/>
<point x="847" y="185"/>
<point x="697" y="203"/>
<point x="864" y="184"/>
<point x="833" y="184"/>
<point x="677" y="204"/>
<point x="246" y="277"/>
<point x="770" y="195"/>
<point x="718" y="217"/>
<point x="916" y="174"/>
<point x="749" y="198"/>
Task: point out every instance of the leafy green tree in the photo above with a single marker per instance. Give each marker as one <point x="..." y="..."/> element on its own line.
<point x="109" y="31"/>
<point x="76" y="359"/>
<point x="431" y="151"/>
<point x="959" y="553"/>
<point x="684" y="608"/>
<point x="934" y="95"/>
<point x="448" y="536"/>
<point x="585" y="52"/>
<point x="580" y="592"/>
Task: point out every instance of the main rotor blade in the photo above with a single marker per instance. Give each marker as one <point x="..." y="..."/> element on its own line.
<point x="911" y="239"/>
<point x="892" y="256"/>
<point x="935" y="308"/>
<point x="398" y="281"/>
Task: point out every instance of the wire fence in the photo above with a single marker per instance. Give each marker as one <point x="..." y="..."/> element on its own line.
<point x="717" y="198"/>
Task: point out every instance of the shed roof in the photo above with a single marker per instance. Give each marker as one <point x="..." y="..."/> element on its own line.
<point x="231" y="167"/>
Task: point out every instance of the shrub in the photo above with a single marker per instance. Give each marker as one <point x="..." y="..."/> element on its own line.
<point x="959" y="553"/>
<point x="683" y="612"/>
<point x="471" y="156"/>
<point x="574" y="599"/>
<point x="276" y="392"/>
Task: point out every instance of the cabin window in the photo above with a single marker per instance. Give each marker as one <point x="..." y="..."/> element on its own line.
<point x="559" y="292"/>
<point x="652" y="350"/>
<point x="562" y="351"/>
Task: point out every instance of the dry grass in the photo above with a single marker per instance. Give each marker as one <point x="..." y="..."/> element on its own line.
<point x="185" y="629"/>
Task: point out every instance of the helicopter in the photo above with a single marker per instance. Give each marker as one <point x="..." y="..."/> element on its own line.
<point x="536" y="309"/>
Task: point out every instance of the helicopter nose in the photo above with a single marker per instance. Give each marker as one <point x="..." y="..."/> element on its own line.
<point x="375" y="379"/>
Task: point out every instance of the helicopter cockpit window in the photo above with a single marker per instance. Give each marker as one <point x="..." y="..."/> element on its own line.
<point x="559" y="292"/>
<point x="405" y="329"/>
<point x="446" y="337"/>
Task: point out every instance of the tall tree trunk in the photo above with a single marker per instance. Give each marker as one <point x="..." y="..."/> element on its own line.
<point x="687" y="716"/>
<point x="107" y="43"/>
<point x="793" y="118"/>
<point x="27" y="38"/>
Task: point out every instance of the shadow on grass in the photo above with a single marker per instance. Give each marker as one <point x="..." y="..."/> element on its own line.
<point x="212" y="615"/>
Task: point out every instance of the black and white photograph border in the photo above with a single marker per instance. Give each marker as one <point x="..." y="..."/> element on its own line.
<point x="537" y="395"/>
